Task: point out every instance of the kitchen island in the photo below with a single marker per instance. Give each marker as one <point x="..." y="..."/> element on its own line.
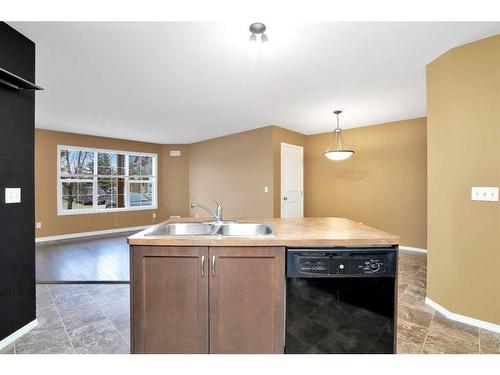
<point x="226" y="294"/>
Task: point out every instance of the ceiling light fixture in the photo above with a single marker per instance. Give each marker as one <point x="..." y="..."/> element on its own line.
<point x="257" y="29"/>
<point x="337" y="149"/>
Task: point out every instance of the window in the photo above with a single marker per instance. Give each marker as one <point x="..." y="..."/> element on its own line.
<point x="93" y="181"/>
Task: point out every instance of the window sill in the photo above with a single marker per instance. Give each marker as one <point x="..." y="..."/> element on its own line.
<point x="104" y="211"/>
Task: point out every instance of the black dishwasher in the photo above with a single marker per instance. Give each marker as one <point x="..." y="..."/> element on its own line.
<point x="341" y="300"/>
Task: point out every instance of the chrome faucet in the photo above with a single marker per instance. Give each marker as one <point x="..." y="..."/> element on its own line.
<point x="218" y="211"/>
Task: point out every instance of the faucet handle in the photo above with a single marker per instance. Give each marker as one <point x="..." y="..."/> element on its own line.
<point x="219" y="208"/>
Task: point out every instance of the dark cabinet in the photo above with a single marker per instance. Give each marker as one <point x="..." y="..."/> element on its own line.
<point x="247" y="300"/>
<point x="169" y="294"/>
<point x="184" y="298"/>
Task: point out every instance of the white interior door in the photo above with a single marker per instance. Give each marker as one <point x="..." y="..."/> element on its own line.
<point x="292" y="181"/>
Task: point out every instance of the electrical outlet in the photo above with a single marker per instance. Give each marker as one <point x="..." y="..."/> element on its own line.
<point x="175" y="153"/>
<point x="38" y="225"/>
<point x="154" y="215"/>
<point x="266" y="189"/>
<point x="489" y="194"/>
<point x="12" y="195"/>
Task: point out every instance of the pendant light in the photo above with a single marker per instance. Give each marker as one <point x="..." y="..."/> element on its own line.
<point x="337" y="149"/>
<point x="258" y="29"/>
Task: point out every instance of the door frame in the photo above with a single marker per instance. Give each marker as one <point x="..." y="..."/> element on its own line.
<point x="289" y="145"/>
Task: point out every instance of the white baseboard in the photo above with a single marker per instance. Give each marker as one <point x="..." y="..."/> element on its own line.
<point x="462" y="318"/>
<point x="21" y="331"/>
<point x="416" y="249"/>
<point x="89" y="234"/>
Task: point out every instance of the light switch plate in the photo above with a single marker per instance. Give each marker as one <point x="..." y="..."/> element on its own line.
<point x="488" y="194"/>
<point x="12" y="195"/>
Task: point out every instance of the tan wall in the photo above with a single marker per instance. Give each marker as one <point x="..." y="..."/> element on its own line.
<point x="287" y="136"/>
<point x="383" y="185"/>
<point x="46" y="185"/>
<point x="464" y="150"/>
<point x="234" y="169"/>
<point x="173" y="192"/>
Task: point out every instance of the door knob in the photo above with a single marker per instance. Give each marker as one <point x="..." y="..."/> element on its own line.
<point x="285" y="198"/>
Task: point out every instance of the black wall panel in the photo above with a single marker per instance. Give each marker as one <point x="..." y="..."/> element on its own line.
<point x="17" y="233"/>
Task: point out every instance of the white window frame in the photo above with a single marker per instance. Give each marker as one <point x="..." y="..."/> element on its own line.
<point x="94" y="178"/>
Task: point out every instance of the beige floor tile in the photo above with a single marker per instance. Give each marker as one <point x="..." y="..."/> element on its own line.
<point x="405" y="278"/>
<point x="489" y="342"/>
<point x="414" y="296"/>
<point x="441" y="324"/>
<point x="414" y="316"/>
<point x="9" y="349"/>
<point x="440" y="343"/>
<point x="410" y="338"/>
<point x="401" y="289"/>
<point x="407" y="269"/>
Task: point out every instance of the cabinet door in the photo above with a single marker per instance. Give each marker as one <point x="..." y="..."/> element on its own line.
<point x="169" y="299"/>
<point x="247" y="299"/>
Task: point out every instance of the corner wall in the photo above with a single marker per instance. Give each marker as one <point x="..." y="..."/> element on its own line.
<point x="383" y="185"/>
<point x="463" y="100"/>
<point x="234" y="169"/>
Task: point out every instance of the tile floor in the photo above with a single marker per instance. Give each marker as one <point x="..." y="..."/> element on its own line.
<point x="423" y="330"/>
<point x="95" y="319"/>
<point x="78" y="319"/>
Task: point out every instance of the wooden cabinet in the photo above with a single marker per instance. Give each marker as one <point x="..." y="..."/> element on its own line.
<point x="247" y="300"/>
<point x="236" y="303"/>
<point x="169" y="299"/>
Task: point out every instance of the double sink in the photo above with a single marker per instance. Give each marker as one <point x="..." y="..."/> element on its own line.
<point x="213" y="228"/>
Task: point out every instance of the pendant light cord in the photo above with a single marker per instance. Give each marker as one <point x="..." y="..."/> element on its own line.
<point x="337" y="137"/>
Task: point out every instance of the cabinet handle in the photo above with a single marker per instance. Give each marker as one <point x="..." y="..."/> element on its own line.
<point x="203" y="266"/>
<point x="213" y="266"/>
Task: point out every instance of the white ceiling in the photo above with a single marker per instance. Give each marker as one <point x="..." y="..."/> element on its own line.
<point x="173" y="82"/>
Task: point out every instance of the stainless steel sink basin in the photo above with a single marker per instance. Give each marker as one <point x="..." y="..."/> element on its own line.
<point x="183" y="229"/>
<point x="213" y="229"/>
<point x="245" y="229"/>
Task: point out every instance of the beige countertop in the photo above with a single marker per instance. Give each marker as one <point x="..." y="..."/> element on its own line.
<point x="311" y="232"/>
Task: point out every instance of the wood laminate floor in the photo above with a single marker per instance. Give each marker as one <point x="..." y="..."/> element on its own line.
<point x="76" y="318"/>
<point x="93" y="259"/>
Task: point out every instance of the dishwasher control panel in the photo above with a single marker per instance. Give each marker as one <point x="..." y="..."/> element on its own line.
<point x="341" y="262"/>
<point x="314" y="265"/>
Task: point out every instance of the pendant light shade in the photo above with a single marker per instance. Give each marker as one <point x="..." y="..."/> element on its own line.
<point x="337" y="149"/>
<point x="339" y="155"/>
